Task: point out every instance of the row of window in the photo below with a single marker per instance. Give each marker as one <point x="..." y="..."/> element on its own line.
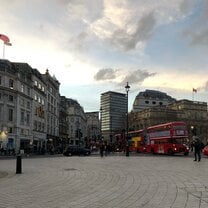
<point x="153" y="102"/>
<point x="39" y="86"/>
<point x="39" y="99"/>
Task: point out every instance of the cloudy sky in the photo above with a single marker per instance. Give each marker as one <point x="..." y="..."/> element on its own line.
<point x="93" y="46"/>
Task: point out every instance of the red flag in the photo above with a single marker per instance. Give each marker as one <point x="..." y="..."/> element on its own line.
<point x="194" y="90"/>
<point x="4" y="38"/>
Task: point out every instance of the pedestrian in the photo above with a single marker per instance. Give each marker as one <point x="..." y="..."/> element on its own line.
<point x="197" y="149"/>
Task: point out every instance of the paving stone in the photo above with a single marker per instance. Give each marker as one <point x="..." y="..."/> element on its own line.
<point x="109" y="182"/>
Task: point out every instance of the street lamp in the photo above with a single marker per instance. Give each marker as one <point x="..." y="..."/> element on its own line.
<point x="101" y="111"/>
<point x="127" y="87"/>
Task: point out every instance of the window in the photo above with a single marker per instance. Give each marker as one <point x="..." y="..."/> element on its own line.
<point x="11" y="83"/>
<point x="10" y="130"/>
<point x="153" y="102"/>
<point x="28" y="119"/>
<point x="28" y="91"/>
<point x="39" y="86"/>
<point x="10" y="114"/>
<point x="1" y="115"/>
<point x="36" y="98"/>
<point x="11" y="98"/>
<point x="35" y="125"/>
<point x="43" y="89"/>
<point x="22" y="88"/>
<point x="161" y="103"/>
<point x="147" y="101"/>
<point x="22" y="117"/>
<point x="28" y="105"/>
<point x="36" y="83"/>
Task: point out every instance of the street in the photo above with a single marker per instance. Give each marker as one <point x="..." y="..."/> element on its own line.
<point x="108" y="182"/>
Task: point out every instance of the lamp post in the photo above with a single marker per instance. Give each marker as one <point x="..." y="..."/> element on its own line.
<point x="101" y="111"/>
<point x="127" y="87"/>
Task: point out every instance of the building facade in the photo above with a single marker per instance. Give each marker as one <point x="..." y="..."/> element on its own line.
<point x="113" y="110"/>
<point x="93" y="127"/>
<point x="52" y="115"/>
<point x="151" y="98"/>
<point x="76" y="122"/>
<point x="15" y="106"/>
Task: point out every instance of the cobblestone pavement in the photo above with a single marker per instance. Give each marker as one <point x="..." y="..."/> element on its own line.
<point x="108" y="182"/>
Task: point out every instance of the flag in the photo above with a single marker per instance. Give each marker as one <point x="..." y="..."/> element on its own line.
<point x="194" y="90"/>
<point x="4" y="38"/>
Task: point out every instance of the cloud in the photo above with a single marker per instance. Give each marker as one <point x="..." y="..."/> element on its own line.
<point x="143" y="31"/>
<point x="121" y="76"/>
<point x="137" y="76"/>
<point x="105" y="74"/>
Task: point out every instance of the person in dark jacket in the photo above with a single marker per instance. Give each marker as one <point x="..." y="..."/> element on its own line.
<point x="197" y="149"/>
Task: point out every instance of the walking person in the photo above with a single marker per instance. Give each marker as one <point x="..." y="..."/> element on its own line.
<point x="197" y="149"/>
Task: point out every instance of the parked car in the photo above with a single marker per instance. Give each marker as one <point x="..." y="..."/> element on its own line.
<point x="76" y="150"/>
<point x="205" y="150"/>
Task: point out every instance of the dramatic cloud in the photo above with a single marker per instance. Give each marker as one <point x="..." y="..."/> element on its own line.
<point x="144" y="30"/>
<point x="122" y="76"/>
<point x="105" y="74"/>
<point x="137" y="77"/>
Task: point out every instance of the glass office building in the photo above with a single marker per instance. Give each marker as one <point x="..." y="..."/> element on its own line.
<point x="113" y="109"/>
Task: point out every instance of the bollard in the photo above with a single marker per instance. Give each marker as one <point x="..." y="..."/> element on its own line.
<point x="19" y="164"/>
<point x="127" y="151"/>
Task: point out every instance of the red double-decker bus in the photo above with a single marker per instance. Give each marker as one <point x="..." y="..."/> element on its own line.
<point x="169" y="138"/>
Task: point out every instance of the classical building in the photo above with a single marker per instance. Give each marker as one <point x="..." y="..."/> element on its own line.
<point x="151" y="98"/>
<point x="63" y="125"/>
<point x="93" y="126"/>
<point x="39" y="111"/>
<point x="76" y="121"/>
<point x="52" y="115"/>
<point x="16" y="127"/>
<point x="113" y="109"/>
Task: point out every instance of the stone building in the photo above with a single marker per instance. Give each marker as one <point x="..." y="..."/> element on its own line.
<point x="52" y="115"/>
<point x="93" y="127"/>
<point x="76" y="121"/>
<point x="151" y="98"/>
<point x="15" y="106"/>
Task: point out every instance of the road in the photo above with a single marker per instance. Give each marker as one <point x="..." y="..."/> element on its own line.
<point x="108" y="182"/>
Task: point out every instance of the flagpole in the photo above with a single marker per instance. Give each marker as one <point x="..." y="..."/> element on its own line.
<point x="3" y="50"/>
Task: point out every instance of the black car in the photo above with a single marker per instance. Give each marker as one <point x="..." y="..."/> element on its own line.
<point x="76" y="150"/>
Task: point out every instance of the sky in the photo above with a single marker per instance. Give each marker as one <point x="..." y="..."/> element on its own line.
<point x="95" y="46"/>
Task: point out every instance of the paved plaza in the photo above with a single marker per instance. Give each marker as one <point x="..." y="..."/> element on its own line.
<point x="108" y="182"/>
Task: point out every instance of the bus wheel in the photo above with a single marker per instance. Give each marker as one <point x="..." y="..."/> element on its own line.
<point x="170" y="152"/>
<point x="186" y="153"/>
<point x="152" y="151"/>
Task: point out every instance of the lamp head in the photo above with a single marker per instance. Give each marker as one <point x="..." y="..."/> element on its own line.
<point x="127" y="87"/>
